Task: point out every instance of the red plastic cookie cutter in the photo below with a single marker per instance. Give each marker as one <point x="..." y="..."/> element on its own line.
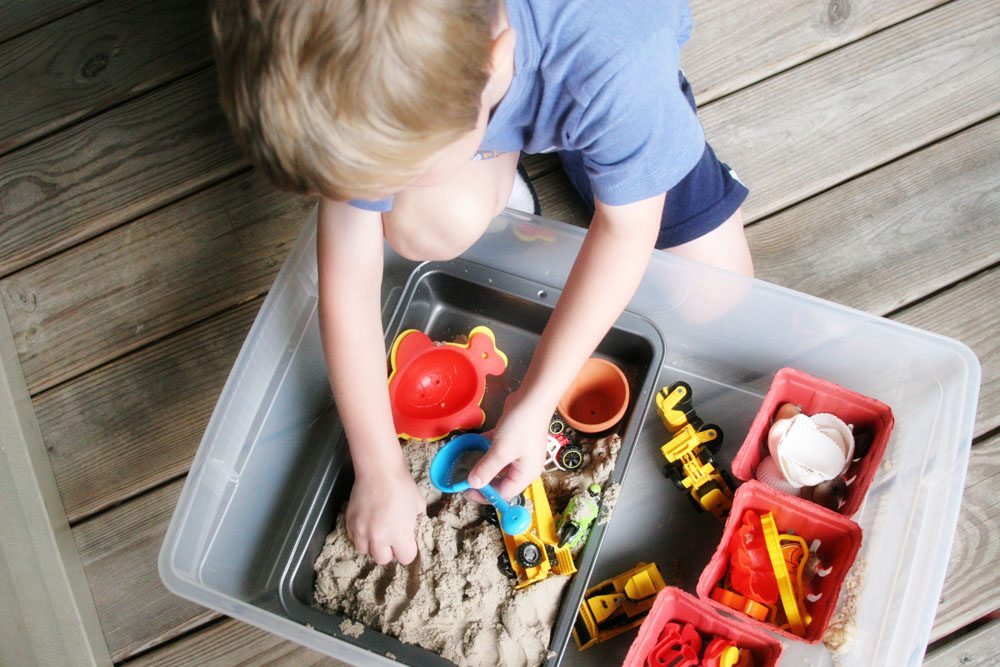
<point x="678" y="646"/>
<point x="436" y="388"/>
<point x="750" y="573"/>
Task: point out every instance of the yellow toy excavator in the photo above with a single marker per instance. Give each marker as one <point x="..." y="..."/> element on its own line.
<point x="689" y="452"/>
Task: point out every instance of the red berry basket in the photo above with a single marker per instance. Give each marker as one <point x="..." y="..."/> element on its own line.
<point x="673" y="604"/>
<point x="840" y="542"/>
<point x="814" y="395"/>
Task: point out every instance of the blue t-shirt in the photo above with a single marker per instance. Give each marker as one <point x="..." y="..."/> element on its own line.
<point x="600" y="78"/>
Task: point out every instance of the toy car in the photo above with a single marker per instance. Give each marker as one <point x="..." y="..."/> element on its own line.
<point x="535" y="553"/>
<point x="563" y="453"/>
<point x="617" y="604"/>
<point x="688" y="453"/>
<point x="581" y="511"/>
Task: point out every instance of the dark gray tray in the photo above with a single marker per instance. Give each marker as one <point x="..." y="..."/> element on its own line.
<point x="445" y="300"/>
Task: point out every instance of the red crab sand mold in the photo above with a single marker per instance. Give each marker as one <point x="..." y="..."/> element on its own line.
<point x="436" y="388"/>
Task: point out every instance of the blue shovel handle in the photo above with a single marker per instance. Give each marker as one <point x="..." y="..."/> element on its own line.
<point x="514" y="519"/>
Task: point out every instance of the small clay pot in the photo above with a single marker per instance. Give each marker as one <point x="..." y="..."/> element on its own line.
<point x="597" y="399"/>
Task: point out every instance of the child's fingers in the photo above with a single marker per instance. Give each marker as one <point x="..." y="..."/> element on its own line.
<point x="405" y="552"/>
<point x="515" y="482"/>
<point x="489" y="466"/>
<point x="381" y="553"/>
<point x="476" y="497"/>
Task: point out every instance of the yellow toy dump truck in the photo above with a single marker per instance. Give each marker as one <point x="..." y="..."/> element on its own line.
<point x="617" y="604"/>
<point x="535" y="553"/>
<point x="689" y="452"/>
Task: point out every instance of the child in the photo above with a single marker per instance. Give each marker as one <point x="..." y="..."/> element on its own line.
<point x="407" y="118"/>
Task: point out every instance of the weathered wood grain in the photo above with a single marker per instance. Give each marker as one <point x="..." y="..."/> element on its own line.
<point x="119" y="550"/>
<point x="802" y="132"/>
<point x="147" y="279"/>
<point x="738" y="42"/>
<point x="100" y="173"/>
<point x="972" y="585"/>
<point x="231" y="642"/>
<point x="136" y="422"/>
<point x="969" y="312"/>
<point x="895" y="234"/>
<point x="18" y="16"/>
<point x="95" y="58"/>
<point x="979" y="647"/>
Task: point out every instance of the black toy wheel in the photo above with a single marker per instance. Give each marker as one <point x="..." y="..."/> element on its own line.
<point x="529" y="555"/>
<point x="686" y="398"/>
<point x="728" y="479"/>
<point x="505" y="567"/>
<point x="571" y="457"/>
<point x="489" y="515"/>
<point x="715" y="443"/>
<point x="675" y="474"/>
<point x="550" y="553"/>
<point x="557" y="426"/>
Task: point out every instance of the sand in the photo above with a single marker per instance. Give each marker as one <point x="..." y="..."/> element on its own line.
<point x="840" y="633"/>
<point x="453" y="599"/>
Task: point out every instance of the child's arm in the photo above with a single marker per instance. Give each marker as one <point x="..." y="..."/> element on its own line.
<point x="606" y="273"/>
<point x="381" y="515"/>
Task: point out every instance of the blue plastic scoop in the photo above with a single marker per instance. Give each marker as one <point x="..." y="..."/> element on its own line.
<point x="450" y="474"/>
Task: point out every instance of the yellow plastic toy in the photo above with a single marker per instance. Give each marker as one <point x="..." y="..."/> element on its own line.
<point x="534" y="554"/>
<point x="617" y="604"/>
<point x="689" y="459"/>
<point x="791" y="594"/>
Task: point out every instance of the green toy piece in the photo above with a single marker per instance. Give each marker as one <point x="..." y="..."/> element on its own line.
<point x="576" y="520"/>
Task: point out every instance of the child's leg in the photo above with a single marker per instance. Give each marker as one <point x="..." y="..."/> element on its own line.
<point x="724" y="247"/>
<point x="701" y="216"/>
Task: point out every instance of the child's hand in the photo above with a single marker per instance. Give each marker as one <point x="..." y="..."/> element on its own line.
<point x="518" y="445"/>
<point x="382" y="515"/>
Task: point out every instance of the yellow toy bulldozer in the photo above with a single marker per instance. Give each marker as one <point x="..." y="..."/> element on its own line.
<point x="617" y="604"/>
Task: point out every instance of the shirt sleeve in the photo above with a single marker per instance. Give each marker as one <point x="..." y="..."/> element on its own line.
<point x="377" y="205"/>
<point x="637" y="133"/>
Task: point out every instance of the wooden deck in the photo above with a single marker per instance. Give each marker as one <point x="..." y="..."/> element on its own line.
<point x="137" y="246"/>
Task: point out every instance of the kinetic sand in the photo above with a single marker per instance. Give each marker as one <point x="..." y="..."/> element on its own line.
<point x="453" y="599"/>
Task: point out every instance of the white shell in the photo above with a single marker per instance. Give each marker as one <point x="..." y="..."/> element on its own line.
<point x="768" y="473"/>
<point x="811" y="450"/>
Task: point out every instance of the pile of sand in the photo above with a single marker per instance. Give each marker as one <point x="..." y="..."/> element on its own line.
<point x="453" y="599"/>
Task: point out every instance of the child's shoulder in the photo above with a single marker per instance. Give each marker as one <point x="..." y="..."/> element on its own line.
<point x="579" y="39"/>
<point x="609" y="26"/>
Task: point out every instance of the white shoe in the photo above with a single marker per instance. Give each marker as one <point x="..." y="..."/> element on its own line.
<point x="522" y="195"/>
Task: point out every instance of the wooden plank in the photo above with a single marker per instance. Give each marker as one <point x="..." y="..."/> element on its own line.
<point x="47" y="611"/>
<point x="762" y="38"/>
<point x="979" y="647"/>
<point x="231" y="642"/>
<point x="95" y="58"/>
<point x="82" y="181"/>
<point x="119" y="550"/>
<point x="893" y="235"/>
<point x="969" y="313"/>
<point x="18" y="16"/>
<point x="972" y="585"/>
<point x="137" y="422"/>
<point x="150" y="278"/>
<point x="802" y="132"/>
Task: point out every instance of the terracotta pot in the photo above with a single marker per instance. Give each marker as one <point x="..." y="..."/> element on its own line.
<point x="597" y="398"/>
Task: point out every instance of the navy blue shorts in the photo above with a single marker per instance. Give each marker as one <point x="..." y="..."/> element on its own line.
<point x="700" y="202"/>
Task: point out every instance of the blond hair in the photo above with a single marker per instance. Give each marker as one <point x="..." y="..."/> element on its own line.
<point x="349" y="98"/>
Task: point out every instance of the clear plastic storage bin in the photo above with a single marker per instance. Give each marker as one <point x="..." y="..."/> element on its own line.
<point x="230" y="542"/>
